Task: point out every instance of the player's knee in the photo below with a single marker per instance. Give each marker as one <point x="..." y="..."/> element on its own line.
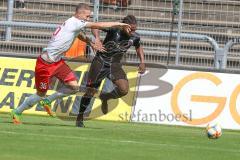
<point x="90" y="92"/>
<point x="74" y="89"/>
<point x="73" y="86"/>
<point x="90" y="95"/>
<point x="41" y="94"/>
<point x="123" y="91"/>
<point x="122" y="86"/>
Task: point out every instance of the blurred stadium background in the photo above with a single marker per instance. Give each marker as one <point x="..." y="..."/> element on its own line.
<point x="201" y="28"/>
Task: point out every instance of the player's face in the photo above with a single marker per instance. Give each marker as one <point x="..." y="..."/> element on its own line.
<point x="133" y="28"/>
<point x="84" y="15"/>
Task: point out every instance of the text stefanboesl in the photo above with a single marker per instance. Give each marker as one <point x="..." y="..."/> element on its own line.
<point x="140" y="116"/>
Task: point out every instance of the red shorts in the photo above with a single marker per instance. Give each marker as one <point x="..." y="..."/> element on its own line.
<point x="45" y="71"/>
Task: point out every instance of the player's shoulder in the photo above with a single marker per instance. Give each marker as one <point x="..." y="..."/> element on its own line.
<point x="135" y="34"/>
<point x="74" y="20"/>
<point x="69" y="22"/>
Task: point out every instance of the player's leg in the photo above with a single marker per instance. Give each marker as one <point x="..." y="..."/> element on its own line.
<point x="85" y="101"/>
<point x="42" y="77"/>
<point x="65" y="75"/>
<point x="119" y="78"/>
<point x="96" y="73"/>
<point x="27" y="104"/>
<point x="119" y="91"/>
<point x="67" y="89"/>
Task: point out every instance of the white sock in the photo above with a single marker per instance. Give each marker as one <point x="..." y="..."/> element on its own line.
<point x="63" y="92"/>
<point x="28" y="103"/>
<point x="56" y="95"/>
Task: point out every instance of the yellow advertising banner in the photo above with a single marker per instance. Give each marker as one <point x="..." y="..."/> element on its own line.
<point x="17" y="82"/>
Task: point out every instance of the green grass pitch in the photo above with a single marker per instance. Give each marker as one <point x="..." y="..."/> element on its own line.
<point x="45" y="138"/>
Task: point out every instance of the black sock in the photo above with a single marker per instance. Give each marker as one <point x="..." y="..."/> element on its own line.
<point x="85" y="101"/>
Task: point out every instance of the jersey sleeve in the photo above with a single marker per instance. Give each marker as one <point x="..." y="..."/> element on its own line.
<point x="79" y="25"/>
<point x="74" y="25"/>
<point x="136" y="40"/>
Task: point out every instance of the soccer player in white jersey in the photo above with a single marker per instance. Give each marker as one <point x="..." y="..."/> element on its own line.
<point x="50" y="63"/>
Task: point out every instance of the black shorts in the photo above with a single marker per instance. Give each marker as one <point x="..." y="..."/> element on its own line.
<point x="98" y="71"/>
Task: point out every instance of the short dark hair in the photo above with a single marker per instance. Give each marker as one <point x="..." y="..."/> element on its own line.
<point x="130" y="19"/>
<point x="82" y="6"/>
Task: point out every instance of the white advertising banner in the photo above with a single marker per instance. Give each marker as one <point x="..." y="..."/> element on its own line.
<point x="189" y="98"/>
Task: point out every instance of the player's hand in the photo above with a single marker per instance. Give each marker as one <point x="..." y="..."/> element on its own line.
<point x="97" y="46"/>
<point x="141" y="68"/>
<point x="125" y="26"/>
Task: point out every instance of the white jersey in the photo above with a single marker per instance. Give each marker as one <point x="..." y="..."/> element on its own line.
<point x="63" y="38"/>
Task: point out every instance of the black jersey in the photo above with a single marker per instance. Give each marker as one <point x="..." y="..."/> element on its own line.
<point x="117" y="42"/>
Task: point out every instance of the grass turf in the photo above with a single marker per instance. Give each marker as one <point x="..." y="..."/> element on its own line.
<point x="45" y="138"/>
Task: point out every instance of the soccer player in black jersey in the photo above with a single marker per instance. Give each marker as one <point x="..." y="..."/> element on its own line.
<point x="108" y="64"/>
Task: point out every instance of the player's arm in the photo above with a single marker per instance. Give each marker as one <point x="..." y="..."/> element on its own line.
<point x="96" y="34"/>
<point x="86" y="39"/>
<point x="82" y="36"/>
<point x="135" y="41"/>
<point x="140" y="54"/>
<point x="103" y="25"/>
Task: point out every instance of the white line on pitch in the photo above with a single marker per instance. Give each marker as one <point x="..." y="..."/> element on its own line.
<point x="123" y="141"/>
